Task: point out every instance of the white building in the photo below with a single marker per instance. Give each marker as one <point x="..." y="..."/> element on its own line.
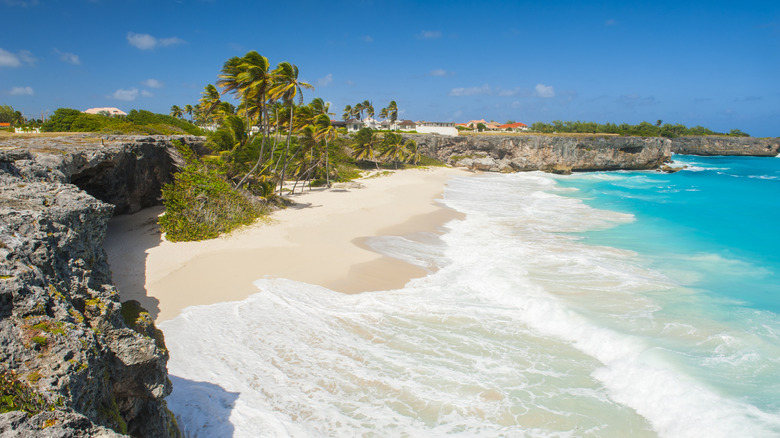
<point x="441" y="128"/>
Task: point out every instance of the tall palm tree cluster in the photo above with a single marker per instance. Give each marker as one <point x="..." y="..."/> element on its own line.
<point x="356" y="111"/>
<point x="270" y="101"/>
<point x="368" y="146"/>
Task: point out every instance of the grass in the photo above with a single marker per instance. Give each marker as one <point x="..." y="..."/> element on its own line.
<point x="17" y="395"/>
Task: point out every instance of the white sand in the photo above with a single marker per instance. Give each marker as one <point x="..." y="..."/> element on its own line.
<point x="318" y="241"/>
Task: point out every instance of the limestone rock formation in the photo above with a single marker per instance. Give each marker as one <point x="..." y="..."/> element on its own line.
<point x="721" y="145"/>
<point x="62" y="328"/>
<point x="560" y="154"/>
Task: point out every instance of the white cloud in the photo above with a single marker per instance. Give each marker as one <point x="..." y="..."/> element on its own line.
<point x="152" y="83"/>
<point x="470" y="91"/>
<point x="545" y="91"/>
<point x="127" y="95"/>
<point x="429" y="34"/>
<point x="144" y="41"/>
<point x="70" y="58"/>
<point x="147" y="93"/>
<point x="610" y="22"/>
<point x="367" y="38"/>
<point x="22" y="91"/>
<point x="514" y="92"/>
<point x="439" y="72"/>
<point x="8" y="59"/>
<point x="322" y="82"/>
<point x="27" y="56"/>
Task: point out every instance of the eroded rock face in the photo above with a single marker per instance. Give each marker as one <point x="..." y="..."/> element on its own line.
<point x="549" y="153"/>
<point x="61" y="325"/>
<point x="719" y="145"/>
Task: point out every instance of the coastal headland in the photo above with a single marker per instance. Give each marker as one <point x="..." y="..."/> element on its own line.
<point x="99" y="364"/>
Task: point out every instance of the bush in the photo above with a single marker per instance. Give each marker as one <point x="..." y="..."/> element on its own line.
<point x="200" y="204"/>
<point x="16" y="395"/>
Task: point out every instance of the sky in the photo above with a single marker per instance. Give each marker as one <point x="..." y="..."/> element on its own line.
<point x="709" y="63"/>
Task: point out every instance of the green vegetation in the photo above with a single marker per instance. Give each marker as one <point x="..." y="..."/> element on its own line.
<point x="201" y="204"/>
<point x="644" y="129"/>
<point x="136" y="122"/>
<point x="16" y="395"/>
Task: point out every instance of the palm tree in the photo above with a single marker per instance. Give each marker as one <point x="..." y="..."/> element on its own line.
<point x="413" y="151"/>
<point x="347" y="113"/>
<point x="392" y="112"/>
<point x="393" y="149"/>
<point x="369" y="110"/>
<point x="287" y="87"/>
<point x="324" y="131"/>
<point x="210" y="101"/>
<point x="176" y="111"/>
<point x="188" y="109"/>
<point x="248" y="76"/>
<point x="364" y="146"/>
<point x="357" y="110"/>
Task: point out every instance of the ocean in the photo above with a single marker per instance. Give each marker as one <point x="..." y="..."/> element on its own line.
<point x="607" y="304"/>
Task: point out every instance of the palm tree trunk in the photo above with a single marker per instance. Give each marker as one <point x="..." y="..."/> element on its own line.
<point x="259" y="157"/>
<point x="286" y="149"/>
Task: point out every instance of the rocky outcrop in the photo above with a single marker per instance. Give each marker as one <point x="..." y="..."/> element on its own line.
<point x="721" y="145"/>
<point x="63" y="330"/>
<point x="559" y="154"/>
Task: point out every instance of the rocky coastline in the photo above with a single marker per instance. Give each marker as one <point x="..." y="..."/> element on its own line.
<point x="720" y="145"/>
<point x="99" y="364"/>
<point x="559" y="154"/>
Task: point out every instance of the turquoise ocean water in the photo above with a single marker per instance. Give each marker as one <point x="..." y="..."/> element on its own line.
<point x="606" y="304"/>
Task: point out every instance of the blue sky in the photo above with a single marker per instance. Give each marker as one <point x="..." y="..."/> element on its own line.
<point x="709" y="63"/>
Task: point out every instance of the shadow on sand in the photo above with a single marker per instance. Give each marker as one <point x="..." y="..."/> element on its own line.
<point x="128" y="238"/>
<point x="202" y="409"/>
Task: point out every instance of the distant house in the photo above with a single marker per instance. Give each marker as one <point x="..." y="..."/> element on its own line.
<point x="354" y="125"/>
<point x="516" y="127"/>
<point x="406" y="125"/>
<point x="338" y="124"/>
<point x="109" y="111"/>
<point x="5" y="125"/>
<point x="441" y="128"/>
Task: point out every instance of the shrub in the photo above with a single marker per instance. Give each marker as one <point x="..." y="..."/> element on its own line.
<point x="200" y="204"/>
<point x="15" y="395"/>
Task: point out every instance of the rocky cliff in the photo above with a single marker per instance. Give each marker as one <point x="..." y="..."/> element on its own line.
<point x="505" y="153"/>
<point x="720" y="145"/>
<point x="99" y="366"/>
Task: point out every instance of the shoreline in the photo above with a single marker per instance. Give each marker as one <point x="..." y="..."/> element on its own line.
<point x="319" y="240"/>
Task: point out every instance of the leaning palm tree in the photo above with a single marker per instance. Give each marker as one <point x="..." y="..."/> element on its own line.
<point x="347" y="113"/>
<point x="324" y="131"/>
<point x="392" y="112"/>
<point x="369" y="110"/>
<point x="210" y="101"/>
<point x="364" y="146"/>
<point x="287" y="87"/>
<point x="413" y="152"/>
<point x="248" y="77"/>
<point x="393" y="149"/>
<point x="176" y="111"/>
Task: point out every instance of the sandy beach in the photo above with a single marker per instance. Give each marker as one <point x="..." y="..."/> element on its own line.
<point x="317" y="241"/>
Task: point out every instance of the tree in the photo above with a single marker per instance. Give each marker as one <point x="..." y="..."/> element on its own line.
<point x="369" y="109"/>
<point x="347" y="113"/>
<point x="188" y="109"/>
<point x="393" y="148"/>
<point x="176" y="111"/>
<point x="392" y="111"/>
<point x="7" y="114"/>
<point x="413" y="151"/>
<point x="248" y="77"/>
<point x="287" y="87"/>
<point x="209" y="101"/>
<point x="364" y="146"/>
